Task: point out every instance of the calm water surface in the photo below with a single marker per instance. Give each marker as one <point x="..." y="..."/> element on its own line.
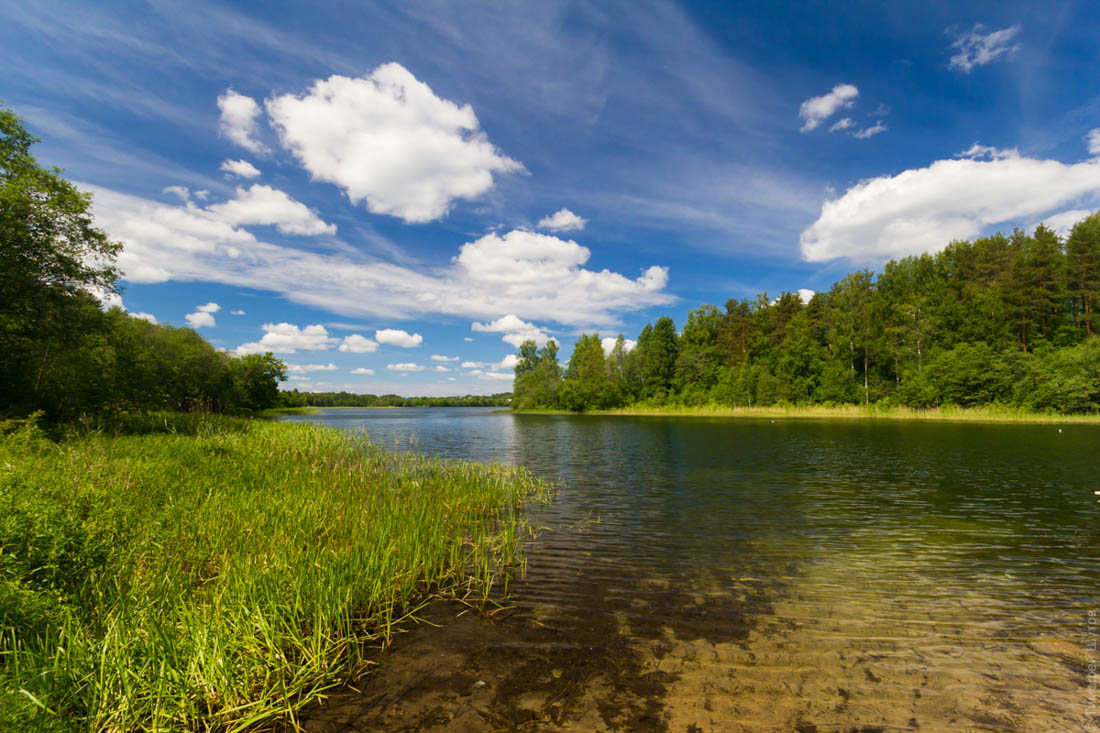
<point x="796" y="574"/>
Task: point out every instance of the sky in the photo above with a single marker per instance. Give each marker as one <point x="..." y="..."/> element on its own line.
<point x="392" y="197"/>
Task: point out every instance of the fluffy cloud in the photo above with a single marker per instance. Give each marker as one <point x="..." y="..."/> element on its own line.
<point x="1093" y="140"/>
<point x="816" y="110"/>
<point x="562" y="220"/>
<point x="306" y="368"/>
<point x="286" y="338"/>
<point x="200" y="320"/>
<point x="405" y="367"/>
<point x="806" y="295"/>
<point x="501" y="376"/>
<point x="237" y="313"/>
<point x="357" y="344"/>
<point x="388" y="139"/>
<point x="238" y="120"/>
<point x="440" y="368"/>
<point x="265" y="205"/>
<point x="608" y="343"/>
<point x="870" y="131"/>
<point x="842" y="124"/>
<point x="241" y="168"/>
<point x="145" y="317"/>
<point x="203" y="316"/>
<point x="515" y="330"/>
<point x="362" y="370"/>
<point x="528" y="274"/>
<point x="508" y="362"/>
<point x="440" y="357"/>
<point x="923" y="209"/>
<point x="397" y="337"/>
<point x="1063" y="221"/>
<point x="977" y="47"/>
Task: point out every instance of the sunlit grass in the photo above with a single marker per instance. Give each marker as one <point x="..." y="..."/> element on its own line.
<point x="227" y="577"/>
<point x="854" y="412"/>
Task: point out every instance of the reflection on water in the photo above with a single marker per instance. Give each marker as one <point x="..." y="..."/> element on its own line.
<point x="759" y="575"/>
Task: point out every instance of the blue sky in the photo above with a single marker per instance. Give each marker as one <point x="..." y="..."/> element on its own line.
<point x="392" y="196"/>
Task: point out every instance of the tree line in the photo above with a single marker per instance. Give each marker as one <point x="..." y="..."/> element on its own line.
<point x="60" y="352"/>
<point x="1004" y="320"/>
<point x="294" y="398"/>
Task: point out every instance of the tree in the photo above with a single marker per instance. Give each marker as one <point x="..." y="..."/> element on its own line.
<point x="51" y="257"/>
<point x="587" y="384"/>
<point x="1083" y="272"/>
<point x="658" y="348"/>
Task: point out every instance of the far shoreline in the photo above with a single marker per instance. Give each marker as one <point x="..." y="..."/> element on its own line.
<point x="844" y="412"/>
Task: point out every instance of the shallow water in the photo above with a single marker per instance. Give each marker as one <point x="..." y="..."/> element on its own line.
<point x="710" y="574"/>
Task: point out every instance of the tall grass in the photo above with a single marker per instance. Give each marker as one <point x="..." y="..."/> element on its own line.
<point x="225" y="574"/>
<point x="992" y="413"/>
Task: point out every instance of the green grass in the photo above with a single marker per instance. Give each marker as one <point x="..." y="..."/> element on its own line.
<point x="224" y="573"/>
<point x="847" y="412"/>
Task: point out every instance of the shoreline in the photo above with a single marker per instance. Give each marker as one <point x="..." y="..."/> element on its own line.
<point x="847" y="412"/>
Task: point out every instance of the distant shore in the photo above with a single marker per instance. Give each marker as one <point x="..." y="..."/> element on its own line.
<point x="844" y="412"/>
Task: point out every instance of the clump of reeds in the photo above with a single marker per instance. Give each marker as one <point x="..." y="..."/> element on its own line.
<point x="222" y="578"/>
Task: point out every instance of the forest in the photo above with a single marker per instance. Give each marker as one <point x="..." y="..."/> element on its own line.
<point x="1004" y="320"/>
<point x="294" y="398"/>
<point x="60" y="352"/>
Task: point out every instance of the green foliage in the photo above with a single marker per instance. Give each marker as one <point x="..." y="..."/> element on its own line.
<point x="1008" y="321"/>
<point x="59" y="352"/>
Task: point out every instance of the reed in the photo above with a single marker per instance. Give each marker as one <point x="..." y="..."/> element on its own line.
<point x="846" y="412"/>
<point x="223" y="575"/>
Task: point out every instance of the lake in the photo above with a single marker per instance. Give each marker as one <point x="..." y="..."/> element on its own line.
<point x="743" y="574"/>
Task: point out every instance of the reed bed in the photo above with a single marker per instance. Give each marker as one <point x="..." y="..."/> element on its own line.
<point x="223" y="579"/>
<point x="848" y="412"/>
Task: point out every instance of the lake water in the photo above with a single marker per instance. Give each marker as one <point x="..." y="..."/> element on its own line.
<point x="813" y="575"/>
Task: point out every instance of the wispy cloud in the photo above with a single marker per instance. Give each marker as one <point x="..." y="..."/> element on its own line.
<point x="978" y="47"/>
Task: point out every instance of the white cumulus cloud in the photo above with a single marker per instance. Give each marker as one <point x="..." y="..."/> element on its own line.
<point x="306" y="368"/>
<point x="1062" y="222"/>
<point x="515" y="330"/>
<point x="241" y="168"/>
<point x="145" y="316"/>
<point x="440" y="357"/>
<point x="265" y="205"/>
<point x="203" y="316"/>
<point x="842" y="124"/>
<point x="608" y="343"/>
<point x="388" y="139"/>
<point x="362" y="370"/>
<point x="440" y="368"/>
<point x="286" y="338"/>
<point x="237" y="313"/>
<point x="508" y="362"/>
<point x="200" y="319"/>
<point x="562" y="220"/>
<point x="500" y="376"/>
<point x="806" y="295"/>
<point x="357" y="344"/>
<point x="238" y="120"/>
<point x="816" y="110"/>
<point x="531" y="275"/>
<point x="978" y="47"/>
<point x="923" y="209"/>
<point x="405" y="367"/>
<point x="397" y="337"/>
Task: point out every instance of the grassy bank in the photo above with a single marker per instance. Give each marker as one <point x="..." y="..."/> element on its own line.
<point x="226" y="573"/>
<point x="845" y="412"/>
